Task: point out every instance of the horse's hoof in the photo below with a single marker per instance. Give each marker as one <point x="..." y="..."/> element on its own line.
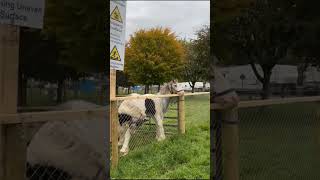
<point x="161" y="138"/>
<point x="123" y="154"/>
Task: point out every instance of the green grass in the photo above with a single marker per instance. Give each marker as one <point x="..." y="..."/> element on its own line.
<point x="280" y="142"/>
<point x="180" y="156"/>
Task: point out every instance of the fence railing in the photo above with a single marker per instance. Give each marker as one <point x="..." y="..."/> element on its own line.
<point x="179" y="125"/>
<point x="226" y="128"/>
<point x="19" y="129"/>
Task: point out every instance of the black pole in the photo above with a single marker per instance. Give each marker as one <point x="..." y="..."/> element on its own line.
<point x="218" y="144"/>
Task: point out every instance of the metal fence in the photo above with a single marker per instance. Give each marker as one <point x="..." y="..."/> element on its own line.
<point x="140" y="114"/>
<point x="55" y="144"/>
<point x="268" y="139"/>
<point x="40" y="95"/>
<point x="144" y="130"/>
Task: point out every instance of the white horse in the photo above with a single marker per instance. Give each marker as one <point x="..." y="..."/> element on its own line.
<point x="222" y="93"/>
<point x="74" y="149"/>
<point x="133" y="112"/>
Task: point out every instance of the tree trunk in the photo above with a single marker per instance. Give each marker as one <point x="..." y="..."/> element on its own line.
<point x="60" y="91"/>
<point x="76" y="89"/>
<point x="65" y="88"/>
<point x="193" y="88"/>
<point x="204" y="87"/>
<point x="192" y="84"/>
<point x="301" y="68"/>
<point x="265" y="80"/>
<point x="129" y="89"/>
<point x="266" y="85"/>
<point x="159" y="87"/>
<point x="146" y="89"/>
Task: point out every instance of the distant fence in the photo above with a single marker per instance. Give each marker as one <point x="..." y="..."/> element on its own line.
<point x="94" y="92"/>
<point x="267" y="139"/>
<point x="279" y="91"/>
<point x="174" y="122"/>
<point x="152" y="90"/>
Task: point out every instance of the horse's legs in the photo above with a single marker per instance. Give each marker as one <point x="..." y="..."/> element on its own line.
<point x="122" y="130"/>
<point x="160" y="131"/>
<point x="125" y="146"/>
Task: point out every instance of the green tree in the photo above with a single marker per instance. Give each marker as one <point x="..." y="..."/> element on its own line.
<point x="123" y="81"/>
<point x="224" y="12"/>
<point x="71" y="43"/>
<point x="193" y="68"/>
<point x="201" y="46"/>
<point x="305" y="51"/>
<point x="153" y="57"/>
<point x="197" y="57"/>
<point x="79" y="27"/>
<point x="263" y="36"/>
<point x="39" y="60"/>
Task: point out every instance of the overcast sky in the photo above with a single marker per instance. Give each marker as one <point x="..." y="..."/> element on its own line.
<point x="183" y="17"/>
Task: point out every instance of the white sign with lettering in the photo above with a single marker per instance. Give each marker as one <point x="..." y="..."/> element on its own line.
<point x="28" y="13"/>
<point x="117" y="34"/>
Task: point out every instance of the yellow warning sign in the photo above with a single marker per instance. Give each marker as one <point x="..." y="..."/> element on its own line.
<point x="114" y="55"/>
<point x="115" y="15"/>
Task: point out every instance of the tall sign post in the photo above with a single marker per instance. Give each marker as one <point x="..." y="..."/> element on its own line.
<point x="117" y="48"/>
<point x="13" y="13"/>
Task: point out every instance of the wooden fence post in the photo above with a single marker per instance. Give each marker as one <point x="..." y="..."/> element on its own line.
<point x="12" y="147"/>
<point x="181" y="115"/>
<point x="113" y="121"/>
<point x="230" y="143"/>
<point x="112" y="82"/>
<point x="114" y="135"/>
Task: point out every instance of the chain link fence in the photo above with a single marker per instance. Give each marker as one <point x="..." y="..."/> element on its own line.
<point x="143" y="120"/>
<point x="65" y="143"/>
<point x="45" y="93"/>
<point x="138" y="121"/>
<point x="276" y="141"/>
<point x="280" y="142"/>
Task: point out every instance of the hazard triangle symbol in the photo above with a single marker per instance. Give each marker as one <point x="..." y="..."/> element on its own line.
<point x="115" y="15"/>
<point x="114" y="54"/>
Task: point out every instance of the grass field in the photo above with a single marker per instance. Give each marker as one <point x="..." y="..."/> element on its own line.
<point x="186" y="156"/>
<point x="280" y="142"/>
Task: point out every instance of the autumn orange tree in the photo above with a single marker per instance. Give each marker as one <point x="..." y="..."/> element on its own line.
<point x="153" y="57"/>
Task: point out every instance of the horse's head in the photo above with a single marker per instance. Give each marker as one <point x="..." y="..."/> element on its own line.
<point x="222" y="92"/>
<point x="174" y="87"/>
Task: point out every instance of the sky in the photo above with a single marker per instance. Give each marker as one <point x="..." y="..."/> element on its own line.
<point x="183" y="17"/>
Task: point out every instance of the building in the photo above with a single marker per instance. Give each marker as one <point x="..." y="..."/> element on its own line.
<point x="281" y="74"/>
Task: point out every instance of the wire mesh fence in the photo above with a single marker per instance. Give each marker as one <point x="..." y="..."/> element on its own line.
<point x="39" y="93"/>
<point x="67" y="150"/>
<point x="275" y="141"/>
<point x="65" y="143"/>
<point x="144" y="121"/>
<point x="37" y="172"/>
<point x="280" y="142"/>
